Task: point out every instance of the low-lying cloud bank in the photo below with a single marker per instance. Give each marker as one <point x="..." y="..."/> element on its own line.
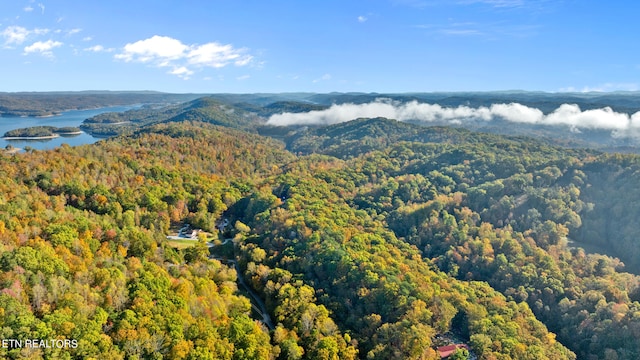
<point x="567" y="114"/>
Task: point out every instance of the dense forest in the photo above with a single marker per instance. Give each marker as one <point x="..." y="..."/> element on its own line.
<point x="204" y="109"/>
<point x="371" y="239"/>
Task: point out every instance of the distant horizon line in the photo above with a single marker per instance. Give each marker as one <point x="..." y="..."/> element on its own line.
<point x="317" y="92"/>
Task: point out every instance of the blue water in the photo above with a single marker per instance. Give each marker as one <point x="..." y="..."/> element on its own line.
<point x="67" y="118"/>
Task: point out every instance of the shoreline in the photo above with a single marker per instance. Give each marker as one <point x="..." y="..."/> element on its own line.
<point x="63" y="111"/>
<point x="70" y="133"/>
<point x="46" y="137"/>
<point x="54" y="136"/>
<point x="107" y="123"/>
<point x="11" y="115"/>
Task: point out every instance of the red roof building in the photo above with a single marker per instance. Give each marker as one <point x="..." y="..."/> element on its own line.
<point x="446" y="351"/>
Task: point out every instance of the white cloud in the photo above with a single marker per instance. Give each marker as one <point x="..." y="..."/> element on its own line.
<point x="243" y="77"/>
<point x="566" y="115"/>
<point x="87" y="38"/>
<point x="41" y="6"/>
<point x="182" y="72"/>
<point x="164" y="51"/>
<point x="73" y="31"/>
<point x="95" y="48"/>
<point x="16" y="35"/>
<point x="362" y="19"/>
<point x="633" y="131"/>
<point x="605" y="118"/>
<point x="517" y="113"/>
<point x="42" y="47"/>
<point x="217" y="55"/>
<point x="246" y="60"/>
<point x="156" y="48"/>
<point x="28" y="8"/>
<point x="98" y="48"/>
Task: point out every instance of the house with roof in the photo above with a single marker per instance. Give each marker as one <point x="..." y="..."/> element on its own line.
<point x="446" y="351"/>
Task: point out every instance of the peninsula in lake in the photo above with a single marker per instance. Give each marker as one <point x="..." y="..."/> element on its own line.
<point x="41" y="132"/>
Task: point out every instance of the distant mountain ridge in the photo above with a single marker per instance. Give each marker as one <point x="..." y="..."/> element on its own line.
<point x="52" y="103"/>
<point x="353" y="138"/>
<point x="252" y="111"/>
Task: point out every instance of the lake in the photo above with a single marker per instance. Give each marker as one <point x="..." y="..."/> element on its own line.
<point x="67" y="118"/>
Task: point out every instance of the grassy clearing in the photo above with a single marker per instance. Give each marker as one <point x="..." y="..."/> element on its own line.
<point x="182" y="244"/>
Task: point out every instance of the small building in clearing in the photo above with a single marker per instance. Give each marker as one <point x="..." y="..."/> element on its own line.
<point x="446" y="351"/>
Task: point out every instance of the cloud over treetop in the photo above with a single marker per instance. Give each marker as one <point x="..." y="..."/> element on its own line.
<point x="567" y="115"/>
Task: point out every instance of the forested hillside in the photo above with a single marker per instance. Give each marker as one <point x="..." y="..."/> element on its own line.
<point x="371" y="239"/>
<point x="205" y="109"/>
<point x="485" y="207"/>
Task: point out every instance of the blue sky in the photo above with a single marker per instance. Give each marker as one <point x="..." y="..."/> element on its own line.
<point x="243" y="46"/>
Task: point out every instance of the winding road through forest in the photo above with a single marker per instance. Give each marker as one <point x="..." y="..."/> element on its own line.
<point x="256" y="302"/>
